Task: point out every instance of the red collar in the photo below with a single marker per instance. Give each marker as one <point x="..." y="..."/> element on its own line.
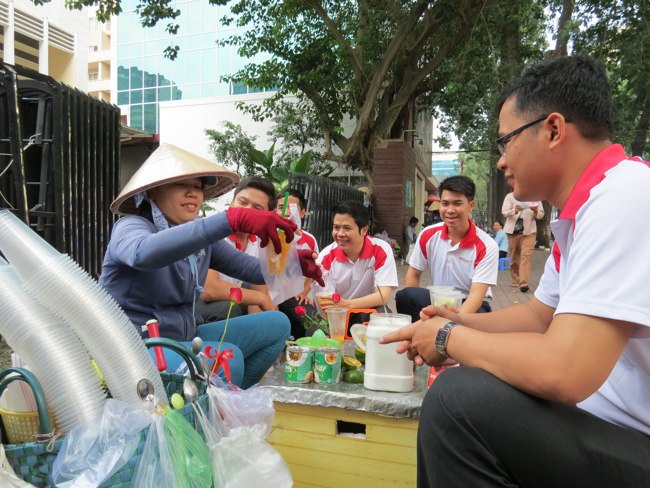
<point x="468" y="239"/>
<point x="366" y="251"/>
<point x="592" y="175"/>
<point x="233" y="238"/>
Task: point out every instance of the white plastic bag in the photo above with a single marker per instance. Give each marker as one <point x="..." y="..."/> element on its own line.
<point x="235" y="432"/>
<point x="155" y="469"/>
<point x="8" y="478"/>
<point x="93" y="451"/>
<point x="244" y="458"/>
<point x="282" y="286"/>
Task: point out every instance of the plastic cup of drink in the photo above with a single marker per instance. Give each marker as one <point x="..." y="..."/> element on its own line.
<point x="336" y="319"/>
<point x="450" y="299"/>
<point x="277" y="262"/>
<point x="321" y="297"/>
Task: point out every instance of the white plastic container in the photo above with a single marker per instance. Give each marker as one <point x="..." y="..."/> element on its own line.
<point x="385" y="369"/>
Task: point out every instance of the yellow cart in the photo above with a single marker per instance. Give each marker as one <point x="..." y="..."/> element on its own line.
<point x="344" y="435"/>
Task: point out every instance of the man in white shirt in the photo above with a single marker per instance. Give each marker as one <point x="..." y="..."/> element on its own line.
<point x="296" y="209"/>
<point x="252" y="192"/>
<point x="456" y="253"/>
<point x="554" y="392"/>
<point x="359" y="268"/>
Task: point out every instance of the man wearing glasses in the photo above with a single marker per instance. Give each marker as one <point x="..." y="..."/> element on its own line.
<point x="555" y="392"/>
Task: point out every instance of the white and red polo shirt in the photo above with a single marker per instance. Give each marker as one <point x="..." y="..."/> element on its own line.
<point x="252" y="249"/>
<point x="600" y="267"/>
<point x="374" y="267"/>
<point x="475" y="258"/>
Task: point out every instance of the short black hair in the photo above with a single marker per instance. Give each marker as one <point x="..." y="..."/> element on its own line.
<point x="413" y="220"/>
<point x="353" y="208"/>
<point x="293" y="193"/>
<point x="258" y="183"/>
<point x="575" y="86"/>
<point x="459" y="184"/>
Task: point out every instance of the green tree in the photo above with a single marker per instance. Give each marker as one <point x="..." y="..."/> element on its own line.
<point x="618" y="33"/>
<point x="295" y="128"/>
<point x="367" y="60"/>
<point x="231" y="148"/>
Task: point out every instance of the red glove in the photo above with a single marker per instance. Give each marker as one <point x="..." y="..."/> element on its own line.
<point x="261" y="223"/>
<point x="309" y="267"/>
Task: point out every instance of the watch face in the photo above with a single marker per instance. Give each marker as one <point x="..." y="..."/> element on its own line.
<point x="442" y="337"/>
<point x="441" y="341"/>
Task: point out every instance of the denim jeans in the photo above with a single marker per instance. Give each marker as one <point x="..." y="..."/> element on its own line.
<point x="411" y="300"/>
<point x="256" y="341"/>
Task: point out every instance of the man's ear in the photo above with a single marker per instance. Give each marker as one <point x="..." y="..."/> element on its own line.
<point x="364" y="230"/>
<point x="151" y="193"/>
<point x="471" y="205"/>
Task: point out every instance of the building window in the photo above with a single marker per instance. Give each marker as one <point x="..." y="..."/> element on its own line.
<point x="93" y="49"/>
<point x="93" y="76"/>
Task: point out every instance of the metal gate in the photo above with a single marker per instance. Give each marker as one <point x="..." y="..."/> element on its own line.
<point x="321" y="195"/>
<point x="59" y="162"/>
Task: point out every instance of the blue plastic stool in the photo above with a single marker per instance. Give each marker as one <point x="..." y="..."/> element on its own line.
<point x="504" y="263"/>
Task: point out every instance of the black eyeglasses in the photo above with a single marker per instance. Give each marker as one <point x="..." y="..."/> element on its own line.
<point x="503" y="140"/>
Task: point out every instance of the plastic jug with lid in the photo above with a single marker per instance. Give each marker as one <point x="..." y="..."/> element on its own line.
<point x="386" y="370"/>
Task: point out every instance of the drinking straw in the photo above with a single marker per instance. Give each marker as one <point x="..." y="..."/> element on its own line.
<point x="284" y="204"/>
<point x="382" y="300"/>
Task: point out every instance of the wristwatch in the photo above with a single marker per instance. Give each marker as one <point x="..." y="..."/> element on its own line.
<point x="442" y="337"/>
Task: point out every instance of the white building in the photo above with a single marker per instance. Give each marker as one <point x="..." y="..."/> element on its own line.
<point x="48" y="38"/>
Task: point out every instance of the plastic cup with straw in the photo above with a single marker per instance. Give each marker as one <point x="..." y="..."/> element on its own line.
<point x="277" y="262"/>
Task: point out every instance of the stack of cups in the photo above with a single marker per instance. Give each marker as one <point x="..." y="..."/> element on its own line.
<point x="63" y="287"/>
<point x="53" y="353"/>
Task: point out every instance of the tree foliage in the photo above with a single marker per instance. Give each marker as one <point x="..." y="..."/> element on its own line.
<point x="295" y="128"/>
<point x="365" y="60"/>
<point x="620" y="37"/>
<point x="231" y="147"/>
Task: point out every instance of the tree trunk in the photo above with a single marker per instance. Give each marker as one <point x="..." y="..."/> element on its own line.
<point x="641" y="135"/>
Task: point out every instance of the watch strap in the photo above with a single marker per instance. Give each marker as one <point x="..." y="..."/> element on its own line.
<point x="442" y="337"/>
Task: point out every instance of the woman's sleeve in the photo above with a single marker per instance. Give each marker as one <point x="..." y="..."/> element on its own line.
<point x="135" y="243"/>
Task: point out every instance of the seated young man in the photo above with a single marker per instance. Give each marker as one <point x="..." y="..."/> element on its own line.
<point x="257" y="193"/>
<point x="456" y="252"/>
<point x="360" y="269"/>
<point x="295" y="211"/>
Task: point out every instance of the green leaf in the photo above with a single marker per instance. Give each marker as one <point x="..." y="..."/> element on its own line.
<point x="301" y="164"/>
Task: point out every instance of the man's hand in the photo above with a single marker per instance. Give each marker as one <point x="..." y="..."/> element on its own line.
<point x="261" y="223"/>
<point x="309" y="267"/>
<point x="431" y="311"/>
<point x="418" y="340"/>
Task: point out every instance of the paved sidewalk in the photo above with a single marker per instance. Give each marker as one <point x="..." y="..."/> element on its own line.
<point x="503" y="294"/>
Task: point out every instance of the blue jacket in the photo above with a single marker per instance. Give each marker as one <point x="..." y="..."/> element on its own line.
<point x="147" y="273"/>
<point x="502" y="240"/>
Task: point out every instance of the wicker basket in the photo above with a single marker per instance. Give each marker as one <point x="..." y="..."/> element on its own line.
<point x="20" y="427"/>
<point x="33" y="461"/>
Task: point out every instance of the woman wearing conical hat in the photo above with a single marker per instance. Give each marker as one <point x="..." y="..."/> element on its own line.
<point x="159" y="254"/>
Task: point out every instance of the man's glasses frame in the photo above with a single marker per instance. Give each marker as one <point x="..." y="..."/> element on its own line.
<point x="503" y="140"/>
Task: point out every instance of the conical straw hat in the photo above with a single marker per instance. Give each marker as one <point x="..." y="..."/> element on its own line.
<point x="168" y="164"/>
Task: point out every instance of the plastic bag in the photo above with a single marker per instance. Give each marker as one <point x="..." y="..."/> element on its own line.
<point x="174" y="455"/>
<point x="189" y="454"/>
<point x="238" y="424"/>
<point x="231" y="408"/>
<point x="285" y="285"/>
<point x="155" y="470"/>
<point x="8" y="478"/>
<point x="94" y="450"/>
<point x="244" y="458"/>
